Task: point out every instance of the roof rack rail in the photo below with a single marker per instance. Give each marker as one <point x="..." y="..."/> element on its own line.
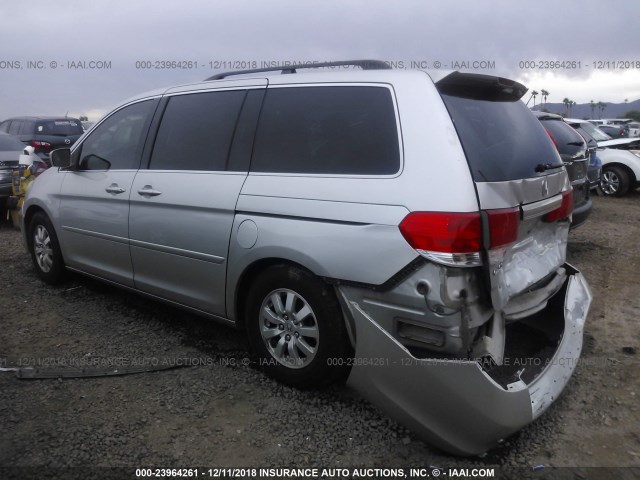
<point x="363" y="64"/>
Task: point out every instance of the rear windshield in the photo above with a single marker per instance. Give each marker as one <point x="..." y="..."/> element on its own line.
<point x="10" y="144"/>
<point x="566" y="139"/>
<point x="63" y="127"/>
<point x="593" y="131"/>
<point x="502" y="139"/>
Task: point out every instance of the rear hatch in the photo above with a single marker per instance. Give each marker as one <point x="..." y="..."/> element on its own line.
<point x="56" y="133"/>
<point x="574" y="152"/>
<point x="523" y="191"/>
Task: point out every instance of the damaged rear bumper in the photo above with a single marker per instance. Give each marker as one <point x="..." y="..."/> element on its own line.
<point x="457" y="404"/>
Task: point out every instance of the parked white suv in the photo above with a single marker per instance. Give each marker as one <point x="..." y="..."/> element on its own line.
<point x="405" y="231"/>
<point x="620" y="158"/>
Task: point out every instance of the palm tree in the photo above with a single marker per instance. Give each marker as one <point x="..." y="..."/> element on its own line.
<point x="544" y="94"/>
<point x="593" y="107"/>
<point x="601" y="107"/>
<point x="566" y="101"/>
<point x="534" y="94"/>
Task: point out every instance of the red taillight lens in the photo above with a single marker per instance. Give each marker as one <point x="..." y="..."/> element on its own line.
<point x="503" y="226"/>
<point x="41" y="145"/>
<point x="564" y="210"/>
<point x="443" y="232"/>
<point x="551" y="137"/>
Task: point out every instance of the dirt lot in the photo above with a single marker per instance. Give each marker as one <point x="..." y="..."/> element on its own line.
<point x="229" y="414"/>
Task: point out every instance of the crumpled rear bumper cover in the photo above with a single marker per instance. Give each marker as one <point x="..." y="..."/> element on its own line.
<point x="455" y="404"/>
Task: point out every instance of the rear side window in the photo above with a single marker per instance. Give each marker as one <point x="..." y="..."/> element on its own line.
<point x="327" y="130"/>
<point x="14" y="129"/>
<point x="196" y="131"/>
<point x="62" y="127"/>
<point x="502" y="139"/>
<point x="566" y="139"/>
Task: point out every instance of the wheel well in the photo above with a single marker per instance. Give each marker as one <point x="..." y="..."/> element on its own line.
<point x="632" y="177"/>
<point x="249" y="274"/>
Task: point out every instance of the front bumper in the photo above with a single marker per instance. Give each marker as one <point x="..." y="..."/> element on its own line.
<point x="455" y="404"/>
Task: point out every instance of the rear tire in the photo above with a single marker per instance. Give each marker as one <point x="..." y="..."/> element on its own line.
<point x="45" y="250"/>
<point x="615" y="182"/>
<point x="296" y="328"/>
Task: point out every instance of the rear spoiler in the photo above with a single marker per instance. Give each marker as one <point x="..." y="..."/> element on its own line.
<point x="481" y="87"/>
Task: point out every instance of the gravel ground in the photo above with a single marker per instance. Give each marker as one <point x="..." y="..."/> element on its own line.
<point x="226" y="413"/>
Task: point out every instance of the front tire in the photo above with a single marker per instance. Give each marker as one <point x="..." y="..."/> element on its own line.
<point x="296" y="328"/>
<point x="614" y="182"/>
<point x="45" y="250"/>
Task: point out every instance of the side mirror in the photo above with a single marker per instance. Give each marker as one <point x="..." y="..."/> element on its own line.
<point x="61" y="158"/>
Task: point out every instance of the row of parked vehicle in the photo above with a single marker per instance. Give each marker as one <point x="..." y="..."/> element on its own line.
<point x="618" y="127"/>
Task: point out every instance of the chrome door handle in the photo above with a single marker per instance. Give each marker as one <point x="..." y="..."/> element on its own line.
<point x="114" y="188"/>
<point x="148" y="191"/>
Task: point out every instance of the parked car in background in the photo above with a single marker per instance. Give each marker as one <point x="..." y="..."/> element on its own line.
<point x="574" y="152"/>
<point x="620" y="166"/>
<point x="634" y="129"/>
<point x="303" y="214"/>
<point x="615" y="131"/>
<point x="44" y="133"/>
<point x="610" y="121"/>
<point x="11" y="148"/>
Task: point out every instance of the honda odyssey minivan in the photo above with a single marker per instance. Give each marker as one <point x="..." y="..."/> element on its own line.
<point x="403" y="231"/>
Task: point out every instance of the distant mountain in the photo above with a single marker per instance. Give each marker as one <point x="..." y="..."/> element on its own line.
<point x="582" y="110"/>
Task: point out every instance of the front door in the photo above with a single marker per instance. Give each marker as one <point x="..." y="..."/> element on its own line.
<point x="94" y="198"/>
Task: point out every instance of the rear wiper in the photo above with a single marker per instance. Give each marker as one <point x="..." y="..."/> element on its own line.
<point x="577" y="144"/>
<point x="543" y="167"/>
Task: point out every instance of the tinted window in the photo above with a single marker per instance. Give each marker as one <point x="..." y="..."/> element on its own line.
<point x="10" y="144"/>
<point x="566" y="139"/>
<point x="61" y="127"/>
<point x="14" y="128"/>
<point x="593" y="131"/>
<point x="196" y="131"/>
<point x="4" y="126"/>
<point x="327" y="130"/>
<point x="117" y="142"/>
<point x="28" y="127"/>
<point x="502" y="139"/>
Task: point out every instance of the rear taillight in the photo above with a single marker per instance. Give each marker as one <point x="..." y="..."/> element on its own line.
<point x="551" y="137"/>
<point x="564" y="210"/>
<point x="41" y="145"/>
<point x="443" y="232"/>
<point x="503" y="226"/>
<point x="456" y="238"/>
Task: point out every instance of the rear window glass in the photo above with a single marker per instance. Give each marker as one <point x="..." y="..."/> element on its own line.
<point x="595" y="132"/>
<point x="327" y="130"/>
<point x="566" y="139"/>
<point x="62" y="127"/>
<point x="10" y="144"/>
<point x="502" y="139"/>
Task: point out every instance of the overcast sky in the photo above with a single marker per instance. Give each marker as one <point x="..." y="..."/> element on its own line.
<point x="122" y="32"/>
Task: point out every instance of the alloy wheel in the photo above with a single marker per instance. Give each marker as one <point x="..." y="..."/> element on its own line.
<point x="289" y="328"/>
<point x="43" y="248"/>
<point x="610" y="182"/>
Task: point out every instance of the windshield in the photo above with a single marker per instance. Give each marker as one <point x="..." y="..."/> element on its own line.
<point x="502" y="140"/>
<point x="9" y="143"/>
<point x="62" y="127"/>
<point x="595" y="132"/>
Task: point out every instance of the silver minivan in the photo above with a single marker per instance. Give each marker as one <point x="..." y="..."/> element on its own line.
<point x="403" y="231"/>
